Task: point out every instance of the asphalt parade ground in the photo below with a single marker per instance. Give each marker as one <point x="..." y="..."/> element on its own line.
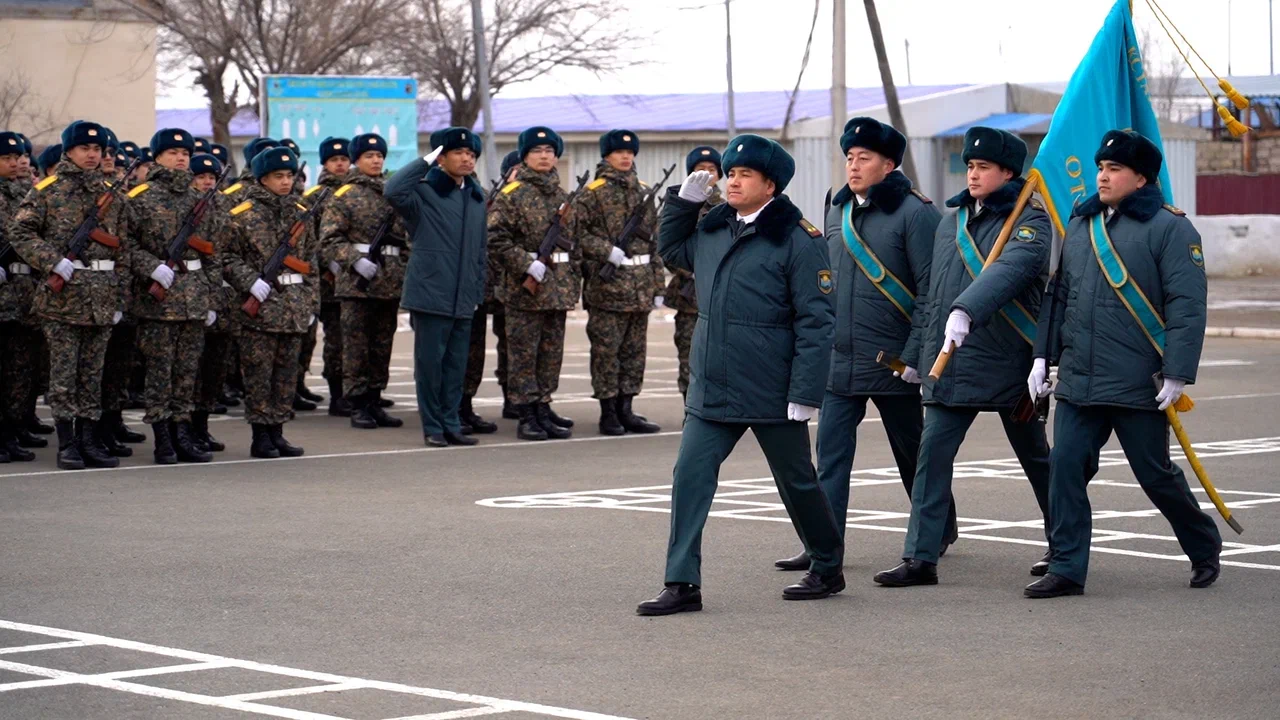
<point x="374" y="578"/>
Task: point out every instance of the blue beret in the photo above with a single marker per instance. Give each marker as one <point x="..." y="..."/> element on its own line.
<point x="1132" y="150"/>
<point x="205" y="163"/>
<point x="49" y="157"/>
<point x="1002" y="148"/>
<point x="273" y="159"/>
<point x="170" y="139"/>
<point x="332" y="147"/>
<point x="11" y="144"/>
<point x="873" y="135"/>
<point x="456" y="138"/>
<point x="703" y="153"/>
<point x="202" y="144"/>
<point x="539" y="135"/>
<point x="619" y="140"/>
<point x="511" y="160"/>
<point x="255" y="146"/>
<point x="221" y="152"/>
<point x="762" y="154"/>
<point x="83" y="132"/>
<point x="369" y="142"/>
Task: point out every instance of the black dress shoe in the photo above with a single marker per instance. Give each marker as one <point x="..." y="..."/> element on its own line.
<point x="1051" y="586"/>
<point x="799" y="562"/>
<point x="910" y="572"/>
<point x="436" y="441"/>
<point x="674" y="598"/>
<point x="459" y="439"/>
<point x="814" y="587"/>
<point x="1205" y="572"/>
<point x="1041" y="567"/>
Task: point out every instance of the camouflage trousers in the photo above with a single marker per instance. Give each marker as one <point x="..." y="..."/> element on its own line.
<point x="19" y="357"/>
<point x="535" y="351"/>
<point x="215" y="362"/>
<point x="368" y="329"/>
<point x="269" y="363"/>
<point x="308" y="350"/>
<point x="618" y="348"/>
<point x="77" y="355"/>
<point x="685" y="322"/>
<point x="476" y="354"/>
<point x="172" y="351"/>
<point x="120" y="364"/>
<point x="331" y="318"/>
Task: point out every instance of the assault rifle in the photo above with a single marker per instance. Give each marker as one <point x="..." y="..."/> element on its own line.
<point x="281" y="258"/>
<point x="554" y="238"/>
<point x="187" y="235"/>
<point x="380" y="240"/>
<point x="608" y="271"/>
<point x="91" y="228"/>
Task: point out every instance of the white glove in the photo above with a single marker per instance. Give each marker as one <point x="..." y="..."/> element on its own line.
<point x="211" y="319"/>
<point x="957" y="330"/>
<point x="163" y="274"/>
<point x="616" y="256"/>
<point x="696" y="187"/>
<point x="335" y="268"/>
<point x="115" y="318"/>
<point x="431" y="156"/>
<point x="909" y="374"/>
<point x="1038" y="381"/>
<point x="65" y="269"/>
<point x="1170" y="392"/>
<point x="659" y="302"/>
<point x="366" y="269"/>
<point x="4" y="276"/>
<point x="312" y="321"/>
<point x="260" y="290"/>
<point x="537" y="269"/>
<point x="799" y="413"/>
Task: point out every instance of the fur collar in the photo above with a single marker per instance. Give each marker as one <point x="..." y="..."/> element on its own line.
<point x="1141" y="205"/>
<point x="774" y="222"/>
<point x="1000" y="202"/>
<point x="440" y="181"/>
<point x="887" y="195"/>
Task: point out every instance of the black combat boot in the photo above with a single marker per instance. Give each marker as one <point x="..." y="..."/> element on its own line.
<point x="4" y="447"/>
<point x="530" y="428"/>
<point x="470" y="419"/>
<point x="25" y="438"/>
<point x="302" y="404"/>
<point x="276" y="433"/>
<point x="632" y="422"/>
<point x="164" y="453"/>
<point x="108" y="439"/>
<point x="94" y="454"/>
<point x="184" y="443"/>
<point x="338" y="405"/>
<point x="383" y="402"/>
<point x="262" y="447"/>
<point x="305" y="393"/>
<point x="360" y="417"/>
<point x="200" y="423"/>
<point x="556" y="420"/>
<point x="68" y="454"/>
<point x="229" y="397"/>
<point x="34" y="425"/>
<point x="380" y="416"/>
<point x="10" y="448"/>
<point x="543" y="412"/>
<point x="609" y="424"/>
<point x="509" y="411"/>
<point x="121" y="431"/>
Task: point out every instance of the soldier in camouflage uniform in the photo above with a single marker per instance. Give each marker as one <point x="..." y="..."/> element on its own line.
<point x="271" y="340"/>
<point x="76" y="321"/>
<point x="17" y="332"/>
<point x="219" y="338"/>
<point x="369" y="317"/>
<point x="680" y="295"/>
<point x="518" y="221"/>
<point x="170" y="331"/>
<point x="22" y="185"/>
<point x="335" y="160"/>
<point x="618" y="309"/>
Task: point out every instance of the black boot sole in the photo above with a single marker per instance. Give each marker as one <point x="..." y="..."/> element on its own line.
<point x="825" y="593"/>
<point x="1206" y="583"/>
<point x="659" y="612"/>
<point x="1034" y="595"/>
<point x="70" y="465"/>
<point x="883" y="581"/>
<point x="165" y="459"/>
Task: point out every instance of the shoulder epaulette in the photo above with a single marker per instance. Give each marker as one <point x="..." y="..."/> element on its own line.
<point x="643" y="183"/>
<point x="596" y="184"/>
<point x="242" y="207"/>
<point x="923" y="198"/>
<point x="233" y="189"/>
<point x="302" y="207"/>
<point x="1174" y="210"/>
<point x="343" y="190"/>
<point x="139" y="190"/>
<point x="510" y="187"/>
<point x="46" y="182"/>
<point x="1035" y="203"/>
<point x="809" y="228"/>
<point x="312" y="190"/>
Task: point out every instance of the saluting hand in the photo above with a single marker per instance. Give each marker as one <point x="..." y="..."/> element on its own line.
<point x="431" y="156"/>
<point x="696" y="187"/>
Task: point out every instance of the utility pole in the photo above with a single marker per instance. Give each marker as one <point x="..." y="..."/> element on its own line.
<point x="1271" y="34"/>
<point x="907" y="43"/>
<point x="839" y="94"/>
<point x="728" y="66"/>
<point x="486" y="103"/>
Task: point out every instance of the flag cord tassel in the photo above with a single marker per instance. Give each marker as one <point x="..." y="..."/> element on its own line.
<point x="1234" y="126"/>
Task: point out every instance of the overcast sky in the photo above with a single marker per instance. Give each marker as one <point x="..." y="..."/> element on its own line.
<point x="952" y="41"/>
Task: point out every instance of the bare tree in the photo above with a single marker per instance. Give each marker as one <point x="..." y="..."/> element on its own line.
<point x="890" y="90"/>
<point x="525" y="40"/>
<point x="1163" y="67"/>
<point x="804" y="63"/>
<point x="21" y="109"/>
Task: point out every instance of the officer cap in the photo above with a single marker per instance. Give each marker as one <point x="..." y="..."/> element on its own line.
<point x="332" y="147"/>
<point x="170" y="139"/>
<point x="205" y="163"/>
<point x="83" y="132"/>
<point x="369" y="142"/>
<point x="873" y="135"/>
<point x="762" y="154"/>
<point x="619" y="140"/>
<point x="539" y="135"/>
<point x="703" y="153"/>
<point x="1132" y="150"/>
<point x="273" y="159"/>
<point x="1002" y="148"/>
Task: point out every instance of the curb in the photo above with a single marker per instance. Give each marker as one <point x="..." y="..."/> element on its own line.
<point x="1247" y="333"/>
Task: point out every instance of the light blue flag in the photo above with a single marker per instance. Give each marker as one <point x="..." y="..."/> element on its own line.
<point x="1108" y="91"/>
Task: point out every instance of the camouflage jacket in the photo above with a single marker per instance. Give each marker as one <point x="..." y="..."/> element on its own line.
<point x="46" y="221"/>
<point x="351" y="220"/>
<point x="154" y="214"/>
<point x="518" y="221"/>
<point x="234" y="193"/>
<point x="599" y="214"/>
<point x="256" y="228"/>
<point x="681" y="278"/>
<point x="327" y="279"/>
<point x="17" y="291"/>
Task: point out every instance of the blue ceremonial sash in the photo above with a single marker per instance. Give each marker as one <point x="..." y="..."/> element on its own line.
<point x="1128" y="291"/>
<point x="876" y="272"/>
<point x="1013" y="312"/>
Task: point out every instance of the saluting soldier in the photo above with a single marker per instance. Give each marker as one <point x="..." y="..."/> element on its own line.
<point x="76" y="321"/>
<point x="1131" y="294"/>
<point x="171" y="331"/>
<point x="986" y="318"/>
<point x="220" y="337"/>
<point x="335" y="162"/>
<point x="270" y="341"/>
<point x="369" y="316"/>
<point x="681" y="294"/>
<point x="880" y="235"/>
<point x="19" y="342"/>
<point x="761" y="353"/>
<point x="519" y="219"/>
<point x="618" y="309"/>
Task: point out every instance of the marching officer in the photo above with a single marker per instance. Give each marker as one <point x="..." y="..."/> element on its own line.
<point x="518" y="221"/>
<point x="760" y="358"/>
<point x="986" y="318"/>
<point x="880" y="234"/>
<point x="369" y="316"/>
<point x="681" y="295"/>
<point x="443" y="208"/>
<point x="171" y="330"/>
<point x="271" y="340"/>
<point x="77" y="320"/>
<point x="618" y="308"/>
<point x="1131" y="295"/>
<point x="19" y="335"/>
<point x="220" y="337"/>
<point x="335" y="163"/>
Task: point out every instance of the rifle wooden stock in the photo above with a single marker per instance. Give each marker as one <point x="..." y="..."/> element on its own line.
<point x="891" y="362"/>
<point x="531" y="284"/>
<point x="200" y="245"/>
<point x="251" y="306"/>
<point x="297" y="265"/>
<point x="104" y="238"/>
<point x="55" y="282"/>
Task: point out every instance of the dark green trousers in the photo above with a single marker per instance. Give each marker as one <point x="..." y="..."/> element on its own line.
<point x="440" y="346"/>
<point x="1079" y="433"/>
<point x="704" y="446"/>
<point x="944" y="431"/>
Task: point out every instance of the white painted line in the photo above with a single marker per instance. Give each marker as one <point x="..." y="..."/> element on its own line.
<point x="452" y="714"/>
<point x="1249" y="333"/>
<point x="42" y="646"/>
<point x="294" y="692"/>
